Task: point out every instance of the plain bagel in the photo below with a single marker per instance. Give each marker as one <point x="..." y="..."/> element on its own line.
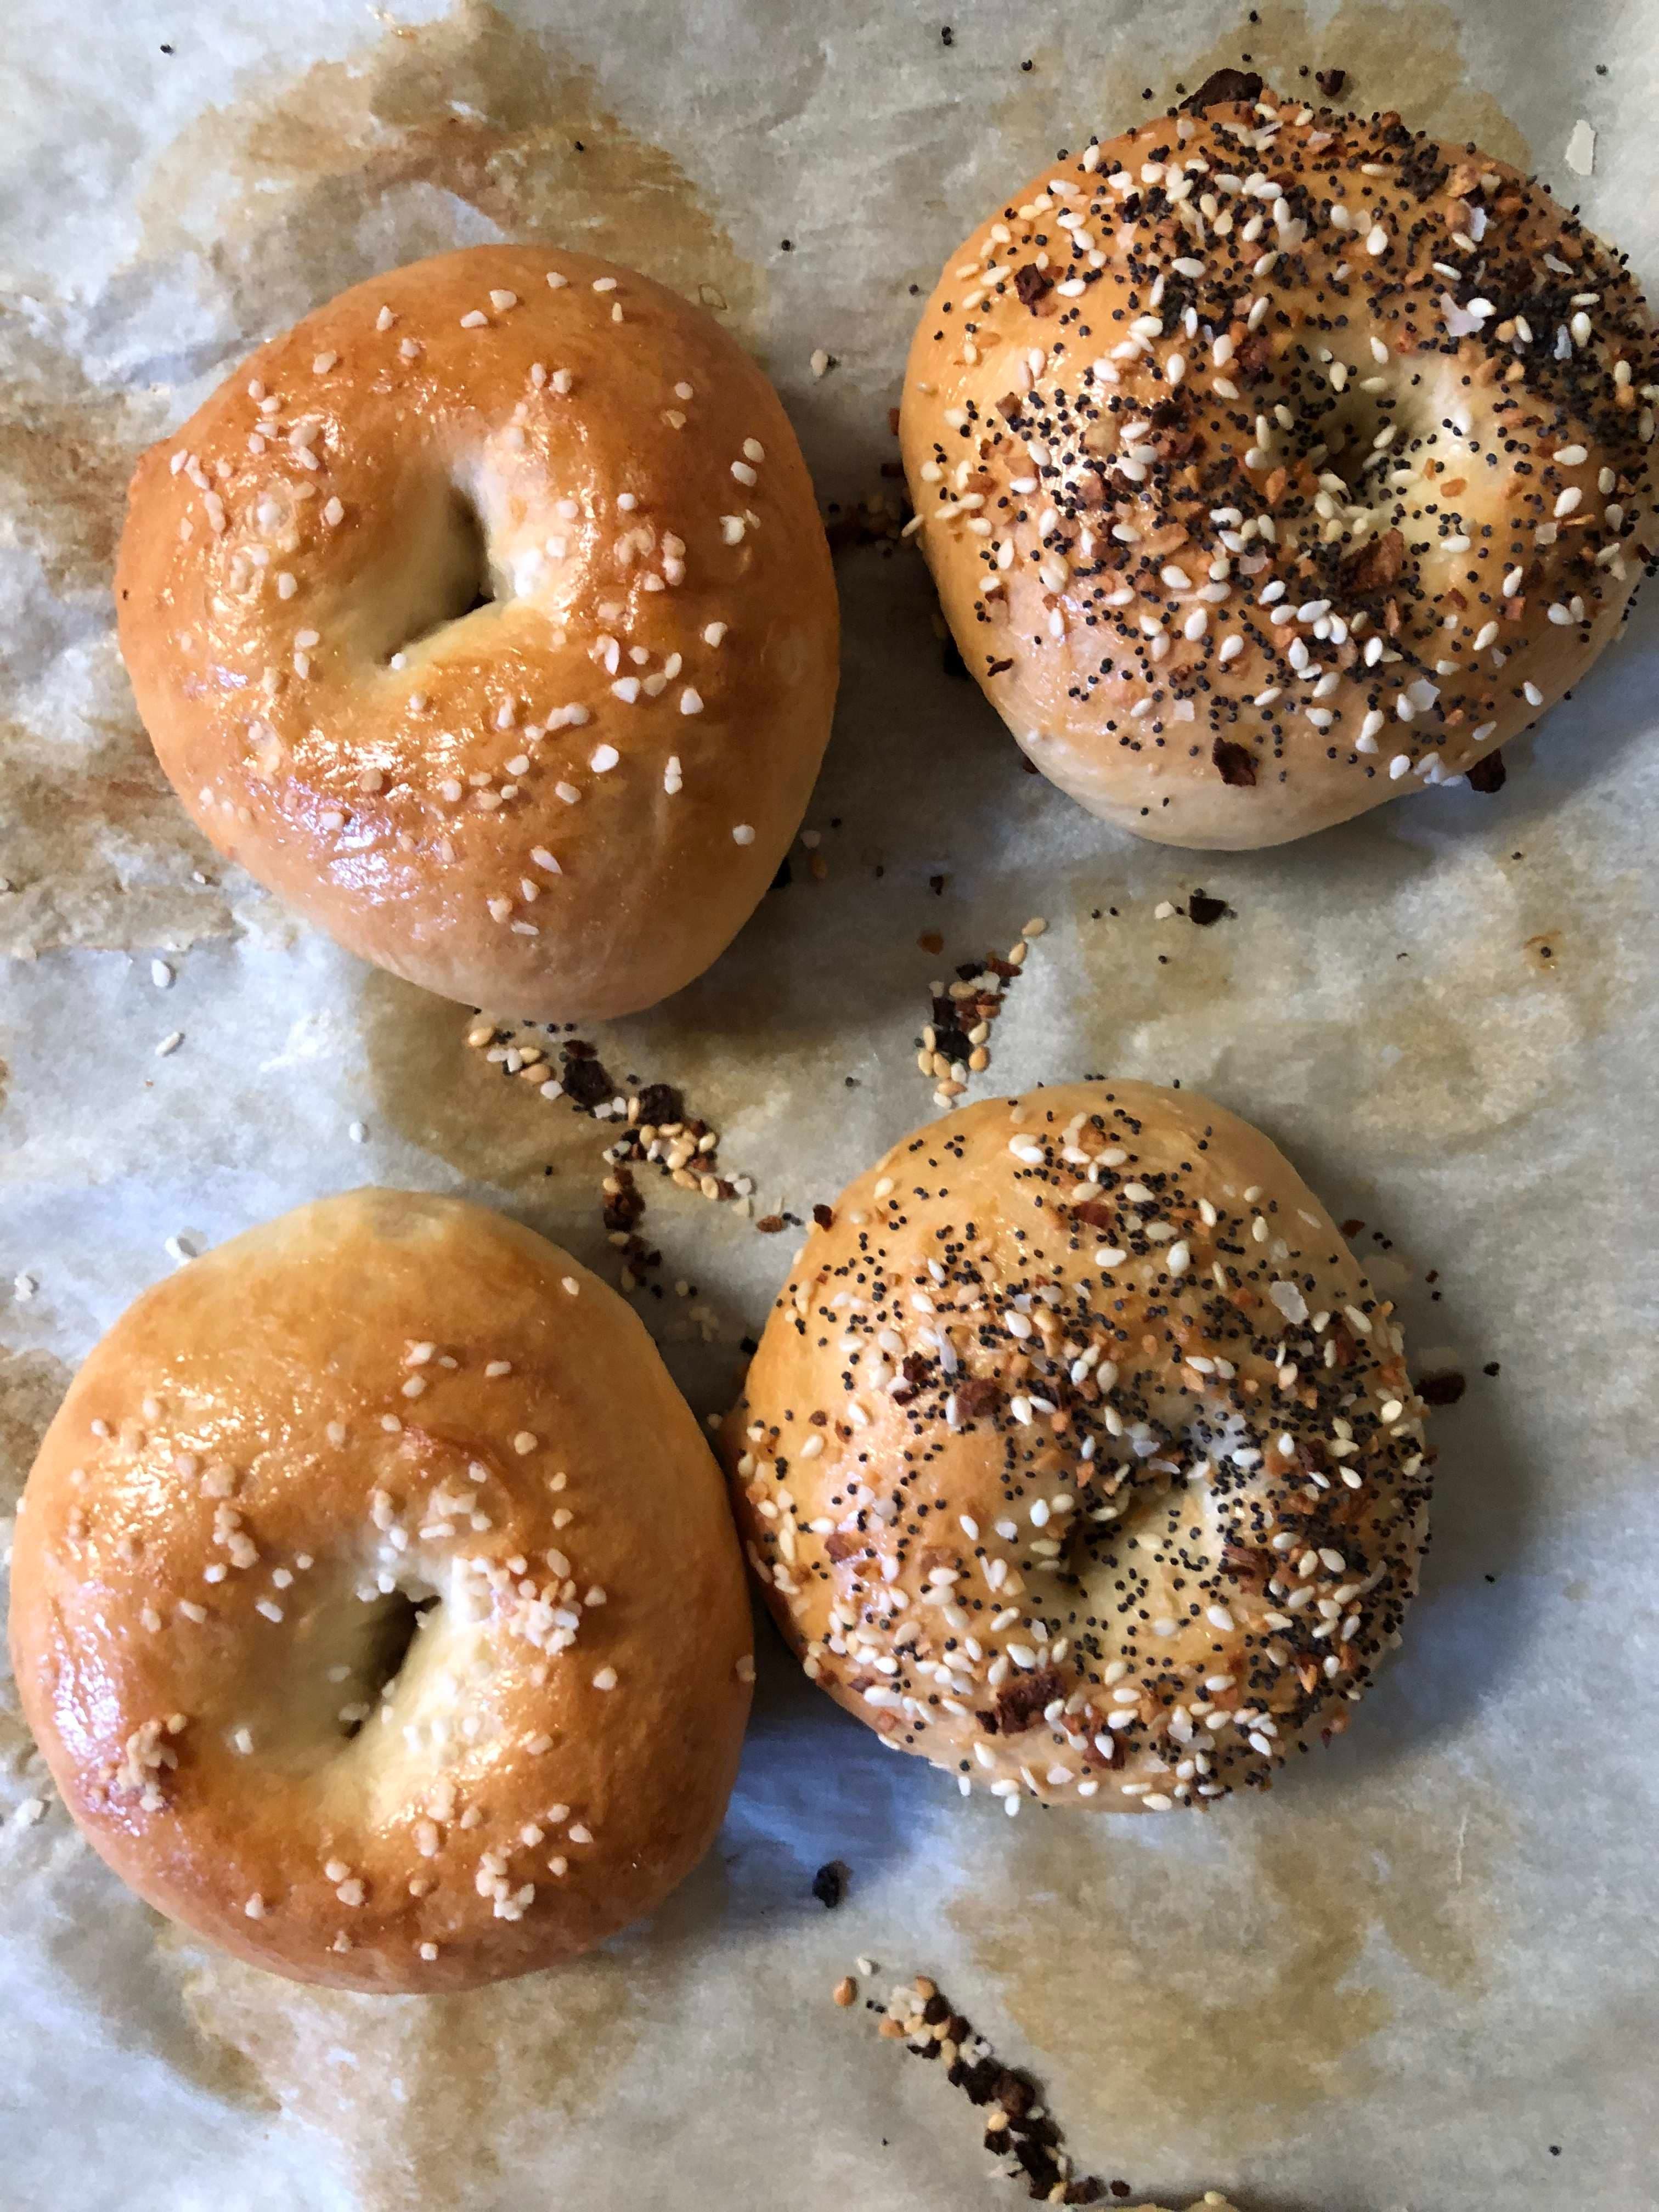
<point x="1078" y="1456"/>
<point x="1271" y="461"/>
<point x="376" y="1605"/>
<point x="487" y="618"/>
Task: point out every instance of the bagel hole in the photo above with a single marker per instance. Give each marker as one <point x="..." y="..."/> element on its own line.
<point x="1339" y="432"/>
<point x="455" y="581"/>
<point x="1348" y="434"/>
<point x="390" y="1633"/>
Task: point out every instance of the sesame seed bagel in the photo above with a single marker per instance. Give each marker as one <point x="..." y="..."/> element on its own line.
<point x="1078" y="1456"/>
<point x="1270" y="461"/>
<point x="375" y="1603"/>
<point x="487" y="618"/>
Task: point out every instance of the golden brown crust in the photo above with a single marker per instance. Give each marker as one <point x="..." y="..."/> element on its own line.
<point x="1078" y="1457"/>
<point x="1115" y="419"/>
<point x="659" y="595"/>
<point x="376" y="1401"/>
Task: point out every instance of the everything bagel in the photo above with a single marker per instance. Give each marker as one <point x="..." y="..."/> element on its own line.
<point x="375" y="1603"/>
<point x="1078" y="1455"/>
<point x="486" y="618"/>
<point x="1270" y="461"/>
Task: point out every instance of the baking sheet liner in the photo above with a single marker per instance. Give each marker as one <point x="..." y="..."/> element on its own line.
<point x="1422" y="1973"/>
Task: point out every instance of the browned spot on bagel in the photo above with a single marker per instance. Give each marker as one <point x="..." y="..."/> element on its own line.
<point x="1095" y="1213"/>
<point x="1251" y="1566"/>
<point x="1376" y="564"/>
<point x="1020" y="1702"/>
<point x="1235" y="763"/>
<point x="979" y="1395"/>
<point x="1031" y="283"/>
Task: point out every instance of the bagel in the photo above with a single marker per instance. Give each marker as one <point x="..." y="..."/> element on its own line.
<point x="487" y="618"/>
<point x="1078" y="1457"/>
<point x="375" y="1602"/>
<point x="1271" y="461"/>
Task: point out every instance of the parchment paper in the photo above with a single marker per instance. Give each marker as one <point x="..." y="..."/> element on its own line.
<point x="1422" y="1971"/>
